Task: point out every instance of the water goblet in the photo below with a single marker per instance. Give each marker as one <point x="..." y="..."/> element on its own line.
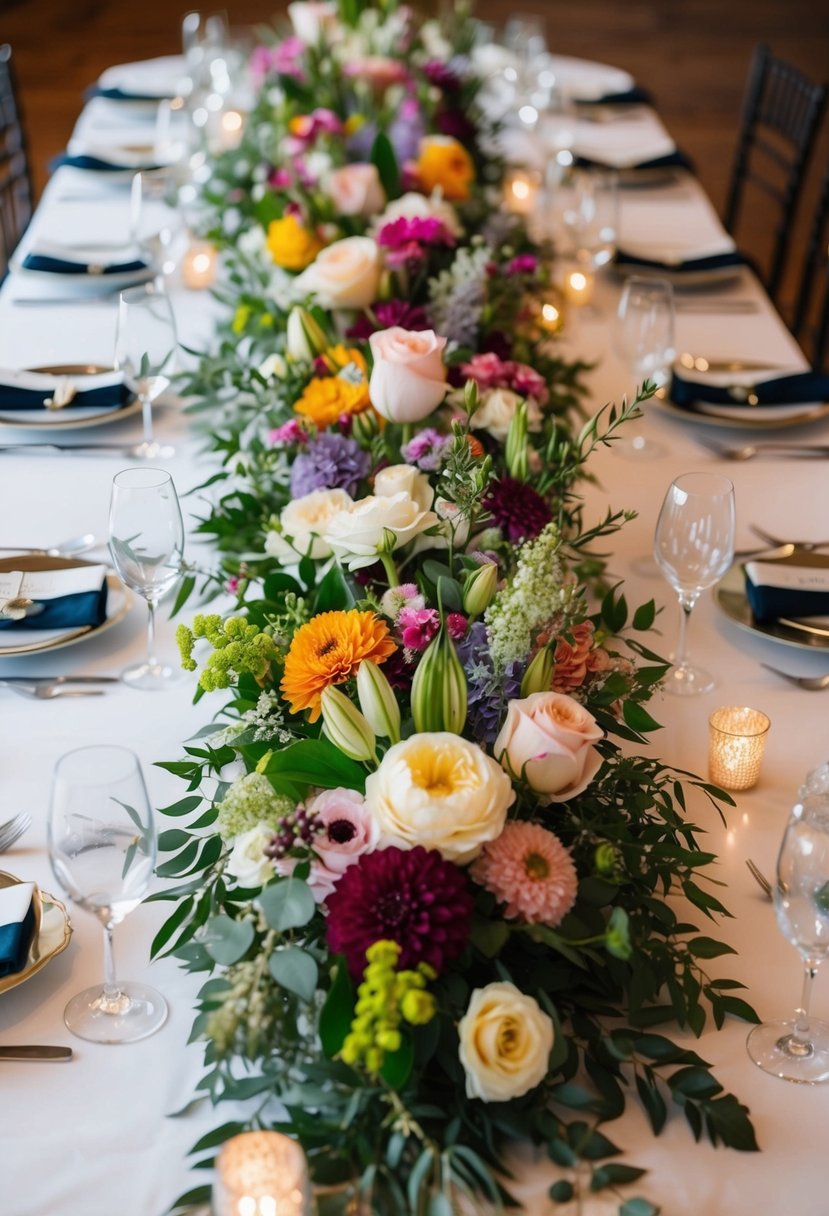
<point x="102" y="846"/>
<point x="156" y="221"/>
<point x="145" y="347"/>
<point x="146" y="540"/>
<point x="797" y="1049"/>
<point x="693" y="547"/>
<point x="643" y="335"/>
<point x="590" y="216"/>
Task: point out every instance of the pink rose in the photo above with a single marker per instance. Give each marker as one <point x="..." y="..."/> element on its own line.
<point x="408" y="380"/>
<point x="378" y="71"/>
<point x="356" y="190"/>
<point x="548" y="738"/>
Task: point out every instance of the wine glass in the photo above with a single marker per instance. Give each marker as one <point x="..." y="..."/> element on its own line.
<point x="590" y="216"/>
<point x="146" y="540"/>
<point x="798" y="1049"/>
<point x="156" y="222"/>
<point x="693" y="547"/>
<point x="145" y="347"/>
<point x="102" y="846"/>
<point x="643" y="336"/>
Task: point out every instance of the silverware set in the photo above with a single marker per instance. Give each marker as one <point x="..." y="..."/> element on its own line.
<point x="13" y="829"/>
<point x="81" y="449"/>
<point x="760" y="878"/>
<point x="748" y="451"/>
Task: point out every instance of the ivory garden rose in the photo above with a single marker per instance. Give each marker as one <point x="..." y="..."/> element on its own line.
<point x="346" y="274"/>
<point x="303" y="522"/>
<point x="408" y="380"/>
<point x="358" y="532"/>
<point x="549" y="739"/>
<point x="505" y="1043"/>
<point x="356" y="190"/>
<point x="440" y="791"/>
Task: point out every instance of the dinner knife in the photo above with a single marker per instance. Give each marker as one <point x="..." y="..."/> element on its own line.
<point x="48" y="449"/>
<point x="64" y="679"/>
<point x="32" y="1052"/>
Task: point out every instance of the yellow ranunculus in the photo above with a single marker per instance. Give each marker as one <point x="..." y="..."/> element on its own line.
<point x="438" y="790"/>
<point x="505" y="1043"/>
<point x="327" y="398"/>
<point x="292" y="246"/>
<point x="445" y="164"/>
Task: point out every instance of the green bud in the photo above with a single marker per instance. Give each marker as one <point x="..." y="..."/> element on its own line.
<point x="305" y="337"/>
<point x="378" y="702"/>
<point x="346" y="727"/>
<point x="605" y="859"/>
<point x="439" y="688"/>
<point x="479" y="588"/>
<point x="364" y="426"/>
<point x="617" y="935"/>
<point x="539" y="675"/>
<point x="470" y="397"/>
<point x="515" y="452"/>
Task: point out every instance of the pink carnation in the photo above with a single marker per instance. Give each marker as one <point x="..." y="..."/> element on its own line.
<point x="528" y="869"/>
<point x="418" y="627"/>
<point x="456" y="624"/>
<point x="288" y="433"/>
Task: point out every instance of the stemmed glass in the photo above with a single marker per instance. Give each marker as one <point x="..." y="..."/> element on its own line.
<point x="643" y="335"/>
<point x="146" y="540"/>
<point x="693" y="547"/>
<point x="145" y="347"/>
<point x="590" y="216"/>
<point x="798" y="1049"/>
<point x="156" y="222"/>
<point x="102" y="846"/>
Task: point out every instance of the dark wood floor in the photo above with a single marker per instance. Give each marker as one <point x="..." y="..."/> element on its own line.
<point x="693" y="55"/>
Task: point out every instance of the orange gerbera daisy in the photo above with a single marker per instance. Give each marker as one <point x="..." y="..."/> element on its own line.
<point x="329" y="650"/>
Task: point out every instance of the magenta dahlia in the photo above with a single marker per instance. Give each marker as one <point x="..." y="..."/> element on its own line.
<point x="517" y="509"/>
<point x="409" y="896"/>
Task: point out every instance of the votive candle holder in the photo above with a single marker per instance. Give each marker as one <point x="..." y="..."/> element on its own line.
<point x="736" y="742"/>
<point x="261" y="1174"/>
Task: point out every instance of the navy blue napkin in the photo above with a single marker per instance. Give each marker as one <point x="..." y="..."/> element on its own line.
<point x="807" y="595"/>
<point x="633" y="96"/>
<point x="113" y="94"/>
<point x="715" y="261"/>
<point x="673" y="160"/>
<point x="12" y="397"/>
<point x="15" y="940"/>
<point x="53" y="265"/>
<point x="798" y="389"/>
<point x="76" y="611"/>
<point x="83" y="161"/>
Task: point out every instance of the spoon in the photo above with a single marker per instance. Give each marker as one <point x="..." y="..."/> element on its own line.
<point x="65" y="548"/>
<point x="813" y="683"/>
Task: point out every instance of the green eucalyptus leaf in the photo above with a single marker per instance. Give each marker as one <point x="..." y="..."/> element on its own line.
<point x="295" y="970"/>
<point x="287" y="903"/>
<point x="227" y="940"/>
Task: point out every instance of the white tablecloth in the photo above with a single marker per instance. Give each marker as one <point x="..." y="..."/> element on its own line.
<point x="94" y="1137"/>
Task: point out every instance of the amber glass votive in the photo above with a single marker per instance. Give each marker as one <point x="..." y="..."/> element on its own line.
<point x="261" y="1174"/>
<point x="736" y="741"/>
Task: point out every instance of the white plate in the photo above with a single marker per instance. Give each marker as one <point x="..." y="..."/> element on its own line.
<point x="158" y="78"/>
<point x="69" y="419"/>
<point x="52" y="937"/>
<point x="772" y="418"/>
<point x="584" y="80"/>
<point x="730" y="597"/>
<point x="14" y="642"/>
<point x="690" y="279"/>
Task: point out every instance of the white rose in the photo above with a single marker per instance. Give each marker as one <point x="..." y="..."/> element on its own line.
<point x="247" y="861"/>
<point x="356" y="533"/>
<point x="405" y="479"/>
<point x="505" y="1043"/>
<point x="497" y="410"/>
<point x="355" y="189"/>
<point x="420" y="206"/>
<point x="438" y="790"/>
<point x="344" y="275"/>
<point x="303" y="522"/>
<point x="311" y="19"/>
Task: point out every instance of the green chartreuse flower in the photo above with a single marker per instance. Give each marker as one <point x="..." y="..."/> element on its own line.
<point x="385" y="999"/>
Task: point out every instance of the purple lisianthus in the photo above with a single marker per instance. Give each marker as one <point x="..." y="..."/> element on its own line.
<point x="442" y="76"/>
<point x="524" y="263"/>
<point x="407" y="130"/>
<point x="426" y="449"/>
<point x="331" y="462"/>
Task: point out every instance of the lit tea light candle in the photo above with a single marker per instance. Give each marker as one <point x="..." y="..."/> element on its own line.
<point x="521" y="191"/>
<point x="199" y="266"/>
<point x="736" y="742"/>
<point x="261" y="1174"/>
<point x="578" y="287"/>
<point x="231" y="126"/>
<point x="551" y="313"/>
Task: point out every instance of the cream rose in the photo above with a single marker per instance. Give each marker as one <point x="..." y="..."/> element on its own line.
<point x="505" y="1043"/>
<point x="247" y="861"/>
<point x="311" y="18"/>
<point x="438" y="790"/>
<point x="497" y="410"/>
<point x="356" y="533"/>
<point x="303" y="523"/>
<point x="344" y="275"/>
<point x="549" y="737"/>
<point x="414" y="206"/>
<point x="408" y="380"/>
<point x="405" y="479"/>
<point x="356" y="190"/>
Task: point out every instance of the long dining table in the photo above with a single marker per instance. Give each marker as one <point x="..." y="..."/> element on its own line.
<point x="99" y="1135"/>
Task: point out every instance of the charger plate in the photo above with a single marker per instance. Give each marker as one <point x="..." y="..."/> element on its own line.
<point x="67" y="419"/>
<point x="730" y="597"/>
<point x="119" y="602"/>
<point x="750" y="420"/>
<point x="52" y="933"/>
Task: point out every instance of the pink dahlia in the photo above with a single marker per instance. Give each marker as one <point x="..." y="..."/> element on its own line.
<point x="528" y="869"/>
<point x="409" y="896"/>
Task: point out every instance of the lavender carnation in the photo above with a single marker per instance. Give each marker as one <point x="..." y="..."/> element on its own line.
<point x="331" y="462"/>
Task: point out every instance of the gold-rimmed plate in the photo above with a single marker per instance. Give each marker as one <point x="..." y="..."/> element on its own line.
<point x="749" y="419"/>
<point x="53" y="932"/>
<point x="730" y="597"/>
<point x="69" y="419"/>
<point x="26" y="641"/>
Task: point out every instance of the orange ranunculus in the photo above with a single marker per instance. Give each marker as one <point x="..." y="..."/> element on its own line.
<point x="327" y="398"/>
<point x="338" y="357"/>
<point x="292" y="246"/>
<point x="445" y="164"/>
<point x="329" y="650"/>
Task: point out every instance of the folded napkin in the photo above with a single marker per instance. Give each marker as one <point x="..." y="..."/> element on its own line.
<point x="22" y="390"/>
<point x="116" y="94"/>
<point x="800" y="388"/>
<point x="50" y="264"/>
<point x="795" y="586"/>
<point x="670" y="160"/>
<point x="86" y="160"/>
<point x="63" y="597"/>
<point x="628" y="97"/>
<point x="17" y="926"/>
<point x="713" y="261"/>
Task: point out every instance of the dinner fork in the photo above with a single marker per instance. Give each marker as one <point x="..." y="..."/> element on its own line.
<point x="805" y="546"/>
<point x="813" y="683"/>
<point x="760" y="878"/>
<point x="13" y="829"/>
<point x="750" y="450"/>
<point x="48" y="692"/>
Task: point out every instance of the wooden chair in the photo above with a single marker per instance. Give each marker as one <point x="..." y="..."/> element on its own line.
<point x="15" y="181"/>
<point x="782" y="110"/>
<point x="811" y="312"/>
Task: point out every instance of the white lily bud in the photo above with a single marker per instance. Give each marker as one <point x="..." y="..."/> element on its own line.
<point x="378" y="702"/>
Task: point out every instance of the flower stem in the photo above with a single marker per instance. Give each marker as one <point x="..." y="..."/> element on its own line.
<point x="390" y="569"/>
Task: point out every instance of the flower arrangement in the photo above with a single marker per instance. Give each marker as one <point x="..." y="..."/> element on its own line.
<point x="419" y="858"/>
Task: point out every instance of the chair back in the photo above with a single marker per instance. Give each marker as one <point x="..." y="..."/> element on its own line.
<point x="15" y="182"/>
<point x="782" y="110"/>
<point x="812" y="304"/>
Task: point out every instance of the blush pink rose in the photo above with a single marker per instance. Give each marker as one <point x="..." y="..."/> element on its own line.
<point x="549" y="738"/>
<point x="408" y="380"/>
<point x="356" y="190"/>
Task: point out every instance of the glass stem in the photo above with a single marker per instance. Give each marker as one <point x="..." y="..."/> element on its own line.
<point x="799" y="1044"/>
<point x="112" y="999"/>
<point x="147" y="417"/>
<point x="151" y="659"/>
<point x="686" y="604"/>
